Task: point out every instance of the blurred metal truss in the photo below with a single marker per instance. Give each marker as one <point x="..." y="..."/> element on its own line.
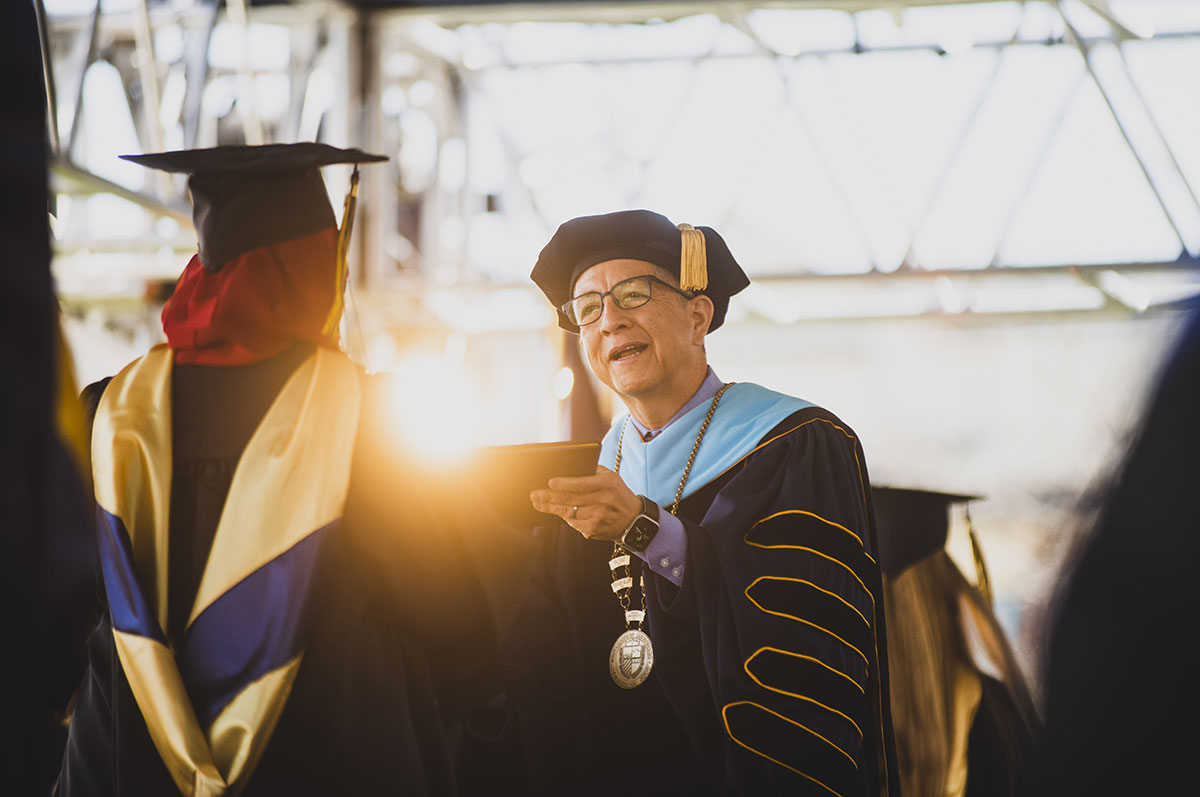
<point x="171" y="103"/>
<point x="401" y="242"/>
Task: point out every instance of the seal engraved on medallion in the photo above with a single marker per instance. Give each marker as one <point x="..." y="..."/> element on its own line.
<point x="631" y="659"/>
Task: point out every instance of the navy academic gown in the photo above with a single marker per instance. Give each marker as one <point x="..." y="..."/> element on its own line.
<point x="401" y="641"/>
<point x="769" y="659"/>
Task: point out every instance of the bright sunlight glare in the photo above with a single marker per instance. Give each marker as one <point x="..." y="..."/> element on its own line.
<point x="564" y="381"/>
<point x="434" y="407"/>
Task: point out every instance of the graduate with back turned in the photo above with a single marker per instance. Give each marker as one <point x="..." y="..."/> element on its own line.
<point x="708" y="619"/>
<point x="290" y="608"/>
<point x="963" y="714"/>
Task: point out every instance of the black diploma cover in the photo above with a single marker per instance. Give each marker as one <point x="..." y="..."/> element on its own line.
<point x="508" y="474"/>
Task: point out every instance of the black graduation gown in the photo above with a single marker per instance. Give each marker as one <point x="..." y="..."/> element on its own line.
<point x="1001" y="743"/>
<point x="400" y="641"/>
<point x="742" y="649"/>
<point x="1120" y="703"/>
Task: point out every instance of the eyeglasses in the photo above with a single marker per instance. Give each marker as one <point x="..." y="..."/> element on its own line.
<point x="627" y="294"/>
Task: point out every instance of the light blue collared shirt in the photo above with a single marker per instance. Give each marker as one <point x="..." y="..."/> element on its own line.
<point x="667" y="552"/>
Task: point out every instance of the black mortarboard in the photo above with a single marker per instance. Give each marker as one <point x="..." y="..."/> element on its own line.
<point x="912" y="524"/>
<point x="252" y="196"/>
<point x="698" y="256"/>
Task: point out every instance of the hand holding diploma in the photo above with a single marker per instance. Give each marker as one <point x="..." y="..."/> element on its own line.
<point x="599" y="507"/>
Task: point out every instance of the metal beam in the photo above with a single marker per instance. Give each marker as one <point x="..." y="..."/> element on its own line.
<point x="71" y="179"/>
<point x="1158" y="131"/>
<point x="823" y="52"/>
<point x="743" y="24"/>
<point x="956" y="148"/>
<point x="681" y="101"/>
<point x="1035" y="166"/>
<point x="1101" y="9"/>
<point x="147" y="68"/>
<point x="1085" y="54"/>
<point x="195" y="70"/>
<point x="251" y="123"/>
<point x="1182" y="266"/>
<point x="89" y="55"/>
<point x="48" y="75"/>
<point x="617" y="12"/>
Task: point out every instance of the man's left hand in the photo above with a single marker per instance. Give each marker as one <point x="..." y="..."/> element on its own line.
<point x="599" y="507"/>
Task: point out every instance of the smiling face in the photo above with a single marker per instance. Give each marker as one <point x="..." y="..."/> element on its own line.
<point x="653" y="355"/>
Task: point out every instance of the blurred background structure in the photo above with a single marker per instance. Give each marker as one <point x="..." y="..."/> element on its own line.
<point x="969" y="224"/>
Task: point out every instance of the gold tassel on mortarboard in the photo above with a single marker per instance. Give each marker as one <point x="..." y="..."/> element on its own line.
<point x="693" y="259"/>
<point x="333" y="320"/>
<point x="982" y="581"/>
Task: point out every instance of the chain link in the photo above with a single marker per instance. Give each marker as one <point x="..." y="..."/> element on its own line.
<point x="623" y="597"/>
<point x="691" y="458"/>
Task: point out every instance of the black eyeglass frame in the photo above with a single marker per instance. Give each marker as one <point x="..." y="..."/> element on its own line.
<point x="651" y="279"/>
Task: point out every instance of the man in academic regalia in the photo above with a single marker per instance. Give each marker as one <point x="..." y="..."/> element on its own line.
<point x="289" y="608"/>
<point x="750" y="656"/>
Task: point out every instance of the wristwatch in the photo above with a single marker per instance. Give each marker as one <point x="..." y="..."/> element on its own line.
<point x="643" y="528"/>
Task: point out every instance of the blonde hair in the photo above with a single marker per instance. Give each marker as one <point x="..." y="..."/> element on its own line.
<point x="928" y="655"/>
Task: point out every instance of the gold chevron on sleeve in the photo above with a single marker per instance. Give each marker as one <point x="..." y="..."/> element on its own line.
<point x="804" y="513"/>
<point x="796" y="695"/>
<point x="837" y="562"/>
<point x="756" y="751"/>
<point x="833" y="670"/>
<point x="798" y="619"/>
<point x="834" y="595"/>
<point x="809" y="514"/>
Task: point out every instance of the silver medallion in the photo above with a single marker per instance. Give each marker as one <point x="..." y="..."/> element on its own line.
<point x="631" y="659"/>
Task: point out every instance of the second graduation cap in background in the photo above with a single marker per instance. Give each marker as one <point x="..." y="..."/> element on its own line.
<point x="914" y="524"/>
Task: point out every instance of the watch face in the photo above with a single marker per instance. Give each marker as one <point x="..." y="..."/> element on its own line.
<point x="640" y="533"/>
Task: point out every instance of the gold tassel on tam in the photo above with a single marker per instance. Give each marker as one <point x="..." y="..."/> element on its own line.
<point x="693" y="260"/>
